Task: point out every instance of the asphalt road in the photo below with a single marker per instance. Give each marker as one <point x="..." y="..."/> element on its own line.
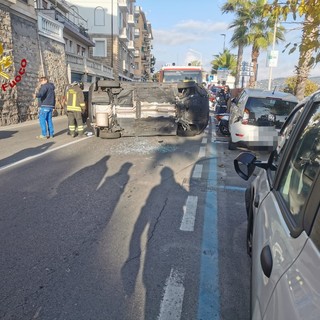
<point x="132" y="228"/>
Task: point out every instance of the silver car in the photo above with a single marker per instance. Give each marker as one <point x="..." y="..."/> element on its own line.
<point x="283" y="209"/>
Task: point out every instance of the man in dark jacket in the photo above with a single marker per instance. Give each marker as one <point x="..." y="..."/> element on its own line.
<point x="75" y="106"/>
<point x="47" y="98"/>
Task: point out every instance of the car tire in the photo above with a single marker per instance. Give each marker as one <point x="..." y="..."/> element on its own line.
<point x="109" y="135"/>
<point x="224" y="130"/>
<point x="232" y="145"/>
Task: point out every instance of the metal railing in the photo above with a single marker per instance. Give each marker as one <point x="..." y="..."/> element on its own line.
<point x="87" y="65"/>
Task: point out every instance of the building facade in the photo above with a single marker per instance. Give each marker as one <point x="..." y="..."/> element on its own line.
<point x="120" y="33"/>
<point x="143" y="59"/>
<point x="67" y="41"/>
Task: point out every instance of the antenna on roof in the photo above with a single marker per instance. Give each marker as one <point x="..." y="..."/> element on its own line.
<point x="274" y="89"/>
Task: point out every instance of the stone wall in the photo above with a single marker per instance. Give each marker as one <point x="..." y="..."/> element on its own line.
<point x="8" y="98"/>
<point x="20" y="40"/>
<point x="25" y="46"/>
<point x="54" y="60"/>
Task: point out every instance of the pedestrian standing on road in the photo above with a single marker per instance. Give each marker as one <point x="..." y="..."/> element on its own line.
<point x="75" y="106"/>
<point x="47" y="98"/>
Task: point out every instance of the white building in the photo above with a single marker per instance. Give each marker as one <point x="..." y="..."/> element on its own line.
<point x="58" y="20"/>
<point x="110" y="24"/>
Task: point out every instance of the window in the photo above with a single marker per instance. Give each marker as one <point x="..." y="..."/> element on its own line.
<point x="70" y="46"/>
<point x="83" y="51"/>
<point x="99" y="16"/>
<point x="100" y="48"/>
<point x="284" y="135"/>
<point x="303" y="167"/>
<point x="78" y="49"/>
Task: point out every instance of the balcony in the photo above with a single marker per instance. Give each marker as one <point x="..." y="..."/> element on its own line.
<point x="123" y="5"/>
<point x="136" y="53"/>
<point x="136" y="32"/>
<point x="125" y="66"/>
<point x="137" y="10"/>
<point x="89" y="66"/>
<point x="123" y="35"/>
<point x="131" y="45"/>
<point x="130" y="20"/>
<point x="76" y="30"/>
<point x="50" y="28"/>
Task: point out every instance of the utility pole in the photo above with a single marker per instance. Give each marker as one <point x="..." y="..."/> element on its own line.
<point x="224" y="41"/>
<point x="273" y="46"/>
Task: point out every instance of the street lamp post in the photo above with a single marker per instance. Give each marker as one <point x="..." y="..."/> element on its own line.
<point x="224" y="40"/>
<point x="273" y="46"/>
<point x="111" y="33"/>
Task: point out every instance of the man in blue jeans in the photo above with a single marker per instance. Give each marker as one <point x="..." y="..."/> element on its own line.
<point x="47" y="103"/>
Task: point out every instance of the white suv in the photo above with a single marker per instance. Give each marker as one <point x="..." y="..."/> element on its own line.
<point x="257" y="116"/>
<point x="283" y="208"/>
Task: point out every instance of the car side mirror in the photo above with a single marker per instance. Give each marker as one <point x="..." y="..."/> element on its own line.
<point x="246" y="162"/>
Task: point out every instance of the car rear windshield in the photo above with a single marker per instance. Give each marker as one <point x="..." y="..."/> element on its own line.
<point x="268" y="111"/>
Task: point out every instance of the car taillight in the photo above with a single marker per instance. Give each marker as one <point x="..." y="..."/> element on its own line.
<point x="245" y="118"/>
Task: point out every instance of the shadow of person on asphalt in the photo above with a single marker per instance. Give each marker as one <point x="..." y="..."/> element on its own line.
<point x="7" y="134"/>
<point x="162" y="226"/>
<point x="61" y="242"/>
<point x="23" y="154"/>
<point x="61" y="132"/>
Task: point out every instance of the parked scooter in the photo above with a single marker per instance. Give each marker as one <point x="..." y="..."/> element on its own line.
<point x="222" y="118"/>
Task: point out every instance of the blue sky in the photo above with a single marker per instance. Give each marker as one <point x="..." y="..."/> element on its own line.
<point x="187" y="30"/>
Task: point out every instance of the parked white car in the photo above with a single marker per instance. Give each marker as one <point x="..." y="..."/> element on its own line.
<point x="283" y="208"/>
<point x="257" y="116"/>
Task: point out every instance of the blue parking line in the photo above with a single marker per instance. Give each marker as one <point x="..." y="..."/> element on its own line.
<point x="209" y="294"/>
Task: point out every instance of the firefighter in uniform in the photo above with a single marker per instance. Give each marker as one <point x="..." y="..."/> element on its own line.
<point x="75" y="106"/>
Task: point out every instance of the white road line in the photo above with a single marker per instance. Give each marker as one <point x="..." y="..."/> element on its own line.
<point x="202" y="152"/>
<point x="197" y="172"/>
<point x="189" y="214"/>
<point x="171" y="303"/>
<point x="204" y="140"/>
<point x="42" y="154"/>
<point x="213" y="136"/>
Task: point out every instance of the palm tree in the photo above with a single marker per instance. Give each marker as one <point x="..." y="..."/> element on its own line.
<point x="261" y="35"/>
<point x="238" y="39"/>
<point x="307" y="49"/>
<point x="225" y="60"/>
<point x="252" y="28"/>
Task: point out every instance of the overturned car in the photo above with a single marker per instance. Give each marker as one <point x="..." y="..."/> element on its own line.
<point x="118" y="109"/>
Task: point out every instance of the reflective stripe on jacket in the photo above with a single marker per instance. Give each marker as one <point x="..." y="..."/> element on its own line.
<point x="75" y="99"/>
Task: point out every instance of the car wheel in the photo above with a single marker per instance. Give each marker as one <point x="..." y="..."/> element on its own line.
<point x="224" y="130"/>
<point x="232" y="145"/>
<point x="109" y="135"/>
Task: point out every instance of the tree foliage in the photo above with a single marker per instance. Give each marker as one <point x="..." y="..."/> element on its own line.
<point x="291" y="83"/>
<point x="225" y="60"/>
<point x="309" y="48"/>
<point x="300" y="8"/>
<point x="253" y="28"/>
<point x="195" y="63"/>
